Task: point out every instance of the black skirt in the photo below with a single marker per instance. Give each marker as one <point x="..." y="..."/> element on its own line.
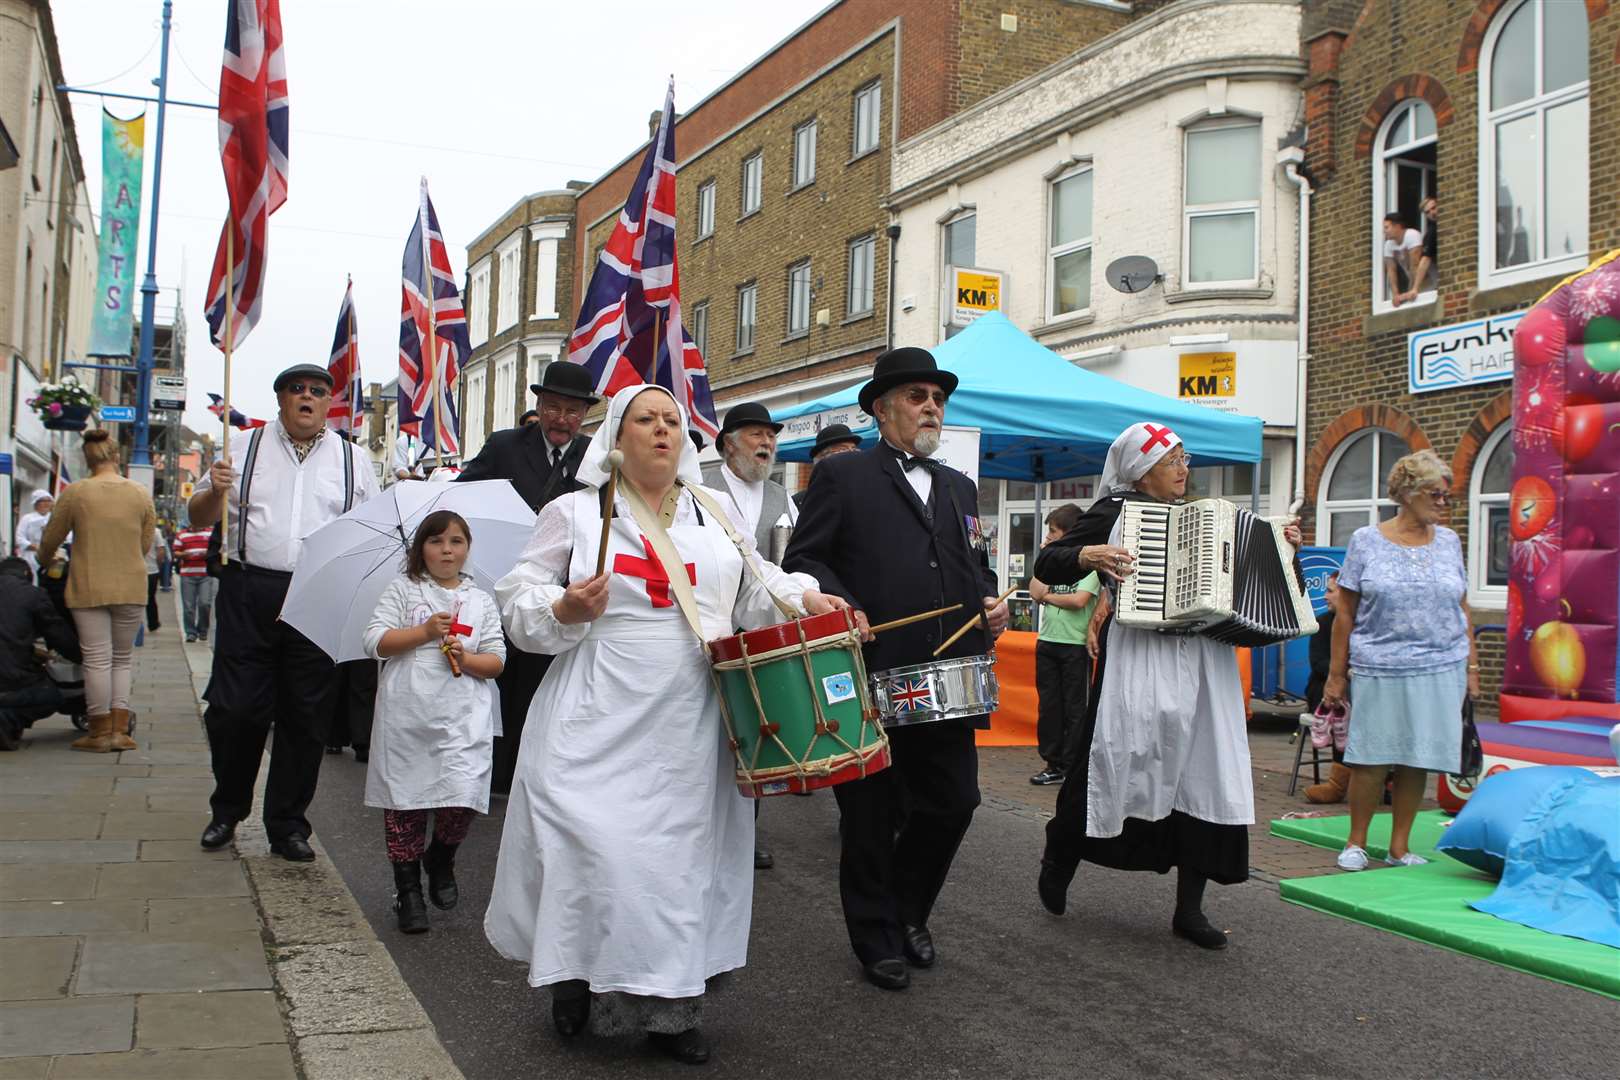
<point x="1219" y="852"/>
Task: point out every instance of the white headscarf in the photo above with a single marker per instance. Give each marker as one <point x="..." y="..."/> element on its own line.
<point x="593" y="468"/>
<point x="1138" y="448"/>
<point x="39" y="493"/>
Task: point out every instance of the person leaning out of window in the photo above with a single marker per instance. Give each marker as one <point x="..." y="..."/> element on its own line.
<point x="1402" y="629"/>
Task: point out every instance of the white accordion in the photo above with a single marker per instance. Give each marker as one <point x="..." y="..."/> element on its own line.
<point x="1214" y="569"/>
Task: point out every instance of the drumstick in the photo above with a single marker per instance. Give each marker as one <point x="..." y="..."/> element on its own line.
<point x="909" y="619"/>
<point x="971" y="623"/>
<point x="615" y="459"/>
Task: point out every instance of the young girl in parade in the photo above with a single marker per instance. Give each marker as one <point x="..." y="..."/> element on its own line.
<point x="432" y="747"/>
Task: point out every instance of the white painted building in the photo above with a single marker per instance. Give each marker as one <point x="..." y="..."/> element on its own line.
<point x="1160" y="140"/>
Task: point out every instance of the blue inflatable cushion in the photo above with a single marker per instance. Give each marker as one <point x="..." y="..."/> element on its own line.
<point x="1484" y="827"/>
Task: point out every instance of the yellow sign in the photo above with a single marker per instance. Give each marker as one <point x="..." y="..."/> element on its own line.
<point x="186" y="489"/>
<point x="973" y="293"/>
<point x="1208" y="375"/>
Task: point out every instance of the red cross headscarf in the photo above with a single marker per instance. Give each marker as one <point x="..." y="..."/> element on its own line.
<point x="593" y="468"/>
<point x="1138" y="448"/>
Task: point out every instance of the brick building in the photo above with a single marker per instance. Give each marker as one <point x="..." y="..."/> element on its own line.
<point x="1505" y="110"/>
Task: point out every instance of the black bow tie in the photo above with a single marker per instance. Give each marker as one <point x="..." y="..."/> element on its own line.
<point x="907" y="462"/>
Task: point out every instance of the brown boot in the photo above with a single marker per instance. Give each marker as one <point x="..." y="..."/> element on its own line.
<point x="1333" y="789"/>
<point x="119" y="736"/>
<point x="98" y="740"/>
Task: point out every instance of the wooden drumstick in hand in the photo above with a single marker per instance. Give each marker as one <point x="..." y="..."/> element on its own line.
<point x="909" y="619"/>
<point x="971" y="623"/>
<point x="615" y="459"/>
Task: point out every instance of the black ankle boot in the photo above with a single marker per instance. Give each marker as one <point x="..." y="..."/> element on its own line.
<point x="1053" y="886"/>
<point x="408" y="904"/>
<point x="689" y="1047"/>
<point x="440" y="864"/>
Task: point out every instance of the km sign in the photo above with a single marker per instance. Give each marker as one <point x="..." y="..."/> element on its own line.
<point x="1208" y="375"/>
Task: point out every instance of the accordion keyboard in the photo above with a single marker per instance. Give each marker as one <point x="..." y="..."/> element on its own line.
<point x="1146" y="534"/>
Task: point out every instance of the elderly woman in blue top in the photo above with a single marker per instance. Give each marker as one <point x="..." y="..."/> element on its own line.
<point x="1402" y="631"/>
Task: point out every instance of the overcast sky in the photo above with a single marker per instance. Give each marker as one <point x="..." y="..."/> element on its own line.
<point x="489" y="99"/>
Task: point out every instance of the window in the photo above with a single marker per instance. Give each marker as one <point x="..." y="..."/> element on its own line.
<point x="1403" y="176"/>
<point x="747" y="312"/>
<point x="868" y="117"/>
<point x="700" y="327"/>
<point x="1488" y="536"/>
<point x="752" y="177"/>
<point x="1352" y="491"/>
<point x="472" y="416"/>
<point x="509" y="273"/>
<point x="1221" y="226"/>
<point x="478" y="304"/>
<point x="961" y="249"/>
<point x="546" y="239"/>
<point x="705" y="210"/>
<point x="506" y="391"/>
<point x="798" y="299"/>
<point x="1069" y="255"/>
<point x="1533" y="142"/>
<point x="804" y="154"/>
<point x="862" y="272"/>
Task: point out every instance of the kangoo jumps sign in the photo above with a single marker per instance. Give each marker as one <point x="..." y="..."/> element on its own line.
<point x="1462" y="354"/>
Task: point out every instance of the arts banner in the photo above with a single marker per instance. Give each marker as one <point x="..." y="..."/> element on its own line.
<point x="122" y="159"/>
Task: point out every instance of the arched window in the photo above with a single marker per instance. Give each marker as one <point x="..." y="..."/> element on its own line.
<point x="1488" y="537"/>
<point x="1403" y="176"/>
<point x="1352" y="489"/>
<point x="1533" y="142"/>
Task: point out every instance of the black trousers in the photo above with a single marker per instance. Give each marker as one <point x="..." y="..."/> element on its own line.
<point x="266" y="675"/>
<point x="900" y="829"/>
<point x="152" y="620"/>
<point x="1063" y="680"/>
<point x="1066" y="832"/>
<point x="517" y="682"/>
<point x="21" y="707"/>
<point x="355" y="700"/>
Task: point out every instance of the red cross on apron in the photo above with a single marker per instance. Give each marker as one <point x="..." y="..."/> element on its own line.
<point x="1156" y="437"/>
<point x="652" y="571"/>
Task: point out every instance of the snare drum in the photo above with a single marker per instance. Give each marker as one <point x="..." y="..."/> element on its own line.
<point x="943" y="690"/>
<point x="796" y="704"/>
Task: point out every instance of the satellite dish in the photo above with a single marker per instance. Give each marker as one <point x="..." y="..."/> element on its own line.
<point x="1132" y="273"/>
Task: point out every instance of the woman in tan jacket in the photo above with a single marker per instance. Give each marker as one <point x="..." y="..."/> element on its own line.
<point x="112" y="520"/>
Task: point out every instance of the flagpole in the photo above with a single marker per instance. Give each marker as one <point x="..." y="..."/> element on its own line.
<point x="433" y="330"/>
<point x="354" y="354"/>
<point x="225" y="413"/>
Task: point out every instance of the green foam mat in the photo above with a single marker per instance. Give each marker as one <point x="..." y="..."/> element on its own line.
<point x="1331" y="832"/>
<point x="1430" y="904"/>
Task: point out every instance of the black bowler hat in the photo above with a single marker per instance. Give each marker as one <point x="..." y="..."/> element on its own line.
<point x="832" y="435"/>
<point x="301" y="371"/>
<point x="748" y="414"/>
<point x="566" y="380"/>
<point x="900" y="366"/>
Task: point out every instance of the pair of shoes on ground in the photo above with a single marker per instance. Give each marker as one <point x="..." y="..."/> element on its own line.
<point x="571" y="1015"/>
<point x="1354" y="857"/>
<point x="1048" y="775"/>
<point x="293" y="848"/>
<point x="107" y="733"/>
<point x="440" y="863"/>
<point x="917" y="951"/>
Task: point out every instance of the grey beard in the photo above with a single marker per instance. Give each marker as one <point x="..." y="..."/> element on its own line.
<point x="749" y="468"/>
<point x="926" y="442"/>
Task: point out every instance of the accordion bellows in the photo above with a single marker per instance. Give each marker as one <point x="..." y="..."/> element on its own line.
<point x="1214" y="569"/>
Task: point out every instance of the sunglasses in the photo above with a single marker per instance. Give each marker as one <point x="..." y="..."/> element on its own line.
<point x="1441" y="497"/>
<point x="917" y="396"/>
<point x="314" y="390"/>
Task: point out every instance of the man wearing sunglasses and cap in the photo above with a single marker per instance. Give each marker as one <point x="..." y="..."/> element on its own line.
<point x="540" y="460"/>
<point x="283" y="481"/>
<point x="894" y="532"/>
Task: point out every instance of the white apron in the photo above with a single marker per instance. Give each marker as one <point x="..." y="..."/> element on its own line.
<point x="30" y="530"/>
<point x="1171" y="733"/>
<point x="432" y="742"/>
<point x="627" y="857"/>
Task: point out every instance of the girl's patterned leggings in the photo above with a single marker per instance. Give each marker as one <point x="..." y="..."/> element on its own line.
<point x="407" y="830"/>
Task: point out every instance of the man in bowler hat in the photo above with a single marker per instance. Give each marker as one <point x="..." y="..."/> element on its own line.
<point x="831" y="440"/>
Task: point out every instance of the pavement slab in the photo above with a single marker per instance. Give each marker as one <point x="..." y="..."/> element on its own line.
<point x="106" y="803"/>
<point x="208" y="1020"/>
<point x="21" y="781"/>
<point x="59" y="881"/>
<point x="154" y="880"/>
<point x="236" y="1063"/>
<point x="34" y="1068"/>
<point x="180" y="851"/>
<point x="161" y="963"/>
<point x="180" y="825"/>
<point x="394" y="1055"/>
<point x="43" y="918"/>
<point x="68" y="851"/>
<point x="176" y="804"/>
<point x="305" y="903"/>
<point x="73" y="1026"/>
<point x="343" y="987"/>
<point x="36" y="968"/>
<point x="214" y="915"/>
<point x="144" y="784"/>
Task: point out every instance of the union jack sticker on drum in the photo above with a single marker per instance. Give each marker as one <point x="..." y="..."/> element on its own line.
<point x="911" y="695"/>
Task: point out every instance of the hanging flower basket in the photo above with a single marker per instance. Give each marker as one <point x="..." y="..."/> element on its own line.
<point x="71" y="418"/>
<point x="64" y="406"/>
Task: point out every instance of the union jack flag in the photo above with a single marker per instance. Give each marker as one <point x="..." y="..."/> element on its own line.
<point x="253" y="150"/>
<point x="238" y="421"/>
<point x="630" y="323"/>
<point x="348" y="391"/>
<point x="911" y="695"/>
<point x="427" y="376"/>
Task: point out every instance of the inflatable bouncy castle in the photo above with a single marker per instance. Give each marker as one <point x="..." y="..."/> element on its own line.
<point x="1559" y="690"/>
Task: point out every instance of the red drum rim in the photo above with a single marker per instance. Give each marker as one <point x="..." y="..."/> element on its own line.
<point x="849" y="767"/>
<point x="779" y="636"/>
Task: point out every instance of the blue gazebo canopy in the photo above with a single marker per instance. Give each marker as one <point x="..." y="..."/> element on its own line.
<point x="1041" y="417"/>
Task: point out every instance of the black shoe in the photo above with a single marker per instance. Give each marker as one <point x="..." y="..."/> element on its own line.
<point x="570" y="1015"/>
<point x="440" y="864"/>
<point x="408" y="905"/>
<point x="1197" y="929"/>
<point x="763" y="860"/>
<point x="887" y="974"/>
<point x="334" y="749"/>
<point x="10" y="735"/>
<point x="293" y="848"/>
<point x="689" y="1047"/>
<point x="1053" y="885"/>
<point x="1047" y="776"/>
<point x="918" y="945"/>
<point x="362" y="754"/>
<point x="219" y="833"/>
<point x="203" y="636"/>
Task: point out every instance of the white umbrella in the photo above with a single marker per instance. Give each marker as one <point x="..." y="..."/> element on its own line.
<point x="345" y="565"/>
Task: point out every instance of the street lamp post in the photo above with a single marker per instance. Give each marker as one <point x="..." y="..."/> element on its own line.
<point x="140" y="453"/>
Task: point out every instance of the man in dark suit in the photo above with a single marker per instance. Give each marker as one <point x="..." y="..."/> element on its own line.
<point x="831" y="440"/>
<point x="540" y="459"/>
<point x="895" y="533"/>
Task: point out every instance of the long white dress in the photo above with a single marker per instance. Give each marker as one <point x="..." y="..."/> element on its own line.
<point x="433" y="740"/>
<point x="627" y="857"/>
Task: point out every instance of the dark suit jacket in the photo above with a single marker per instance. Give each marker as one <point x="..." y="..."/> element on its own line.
<point x="865" y="536"/>
<point x="523" y="456"/>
